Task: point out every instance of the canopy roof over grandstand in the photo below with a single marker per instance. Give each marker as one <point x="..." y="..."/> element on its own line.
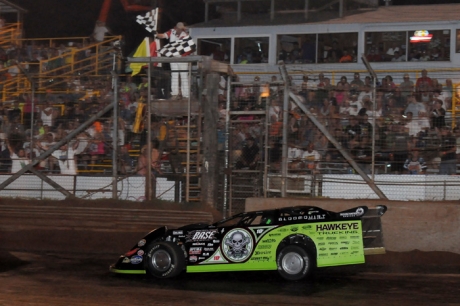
<point x="9" y="7"/>
<point x="383" y="14"/>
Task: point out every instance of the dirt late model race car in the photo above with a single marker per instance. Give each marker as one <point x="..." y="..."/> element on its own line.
<point x="292" y="240"/>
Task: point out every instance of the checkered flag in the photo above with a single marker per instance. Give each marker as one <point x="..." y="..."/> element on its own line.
<point x="178" y="48"/>
<point x="149" y="20"/>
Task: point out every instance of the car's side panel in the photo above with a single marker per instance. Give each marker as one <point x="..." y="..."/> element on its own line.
<point x="254" y="248"/>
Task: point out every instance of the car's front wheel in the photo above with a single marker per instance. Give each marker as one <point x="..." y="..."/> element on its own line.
<point x="165" y="259"/>
<point x="294" y="263"/>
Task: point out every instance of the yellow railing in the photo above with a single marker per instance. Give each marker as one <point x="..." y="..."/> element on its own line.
<point x="10" y="34"/>
<point x="58" y="70"/>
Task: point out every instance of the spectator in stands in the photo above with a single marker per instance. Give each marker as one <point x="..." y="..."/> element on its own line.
<point x="96" y="149"/>
<point x="424" y="83"/>
<point x="353" y="129"/>
<point x="415" y="164"/>
<point x="406" y="87"/>
<point x="18" y="158"/>
<point x="438" y="114"/>
<point x="356" y="85"/>
<point x="412" y="126"/>
<point x="14" y="112"/>
<point x="398" y="57"/>
<point x="249" y="156"/>
<point x="66" y="158"/>
<point x="399" y="147"/>
<point x="311" y="157"/>
<point x="99" y="32"/>
<point x="448" y="152"/>
<point x="46" y="113"/>
<point x="414" y="107"/>
<point x="362" y="152"/>
<point x="346" y="57"/>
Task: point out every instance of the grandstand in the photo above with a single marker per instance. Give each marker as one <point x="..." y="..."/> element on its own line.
<point x="306" y="109"/>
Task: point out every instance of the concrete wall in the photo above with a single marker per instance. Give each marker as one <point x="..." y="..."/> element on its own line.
<point x="407" y="226"/>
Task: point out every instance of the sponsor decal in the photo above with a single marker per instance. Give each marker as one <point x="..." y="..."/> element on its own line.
<point x="334" y="254"/>
<point x="320" y="238"/>
<point x="264" y="246"/>
<point x="322" y="249"/>
<point x="201" y="258"/>
<point x="337" y="227"/>
<point x="205" y="254"/>
<point x="306" y="217"/>
<point x="344" y="248"/>
<point x="238" y="245"/>
<point x="345" y="242"/>
<point x="342" y="237"/>
<point x="269" y="240"/>
<point x="126" y="260"/>
<point x="194" y="251"/>
<point x="359" y="212"/>
<point x="260" y="258"/>
<point x="141" y="243"/>
<point x="322" y="243"/>
<point x="136" y="259"/>
<point x="140" y="252"/>
<point x="216" y="257"/>
<point x="192" y="258"/>
<point x="354" y="237"/>
<point x="209" y="249"/>
<point x="323" y="254"/>
<point x="331" y="238"/>
<point x="201" y="235"/>
<point x="262" y="252"/>
<point x="178" y="232"/>
<point x="354" y="252"/>
<point x="274" y="235"/>
<point x="333" y="243"/>
<point x="355" y="248"/>
<point x="282" y="230"/>
<point x="344" y="253"/>
<point x="216" y="241"/>
<point x="332" y="249"/>
<point x="306" y="227"/>
<point x="210" y="244"/>
<point x="294" y="229"/>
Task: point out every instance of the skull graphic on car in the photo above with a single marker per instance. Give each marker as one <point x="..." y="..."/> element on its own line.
<point x="237" y="243"/>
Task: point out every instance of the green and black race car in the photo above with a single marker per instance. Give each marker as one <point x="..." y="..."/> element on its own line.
<point x="292" y="240"/>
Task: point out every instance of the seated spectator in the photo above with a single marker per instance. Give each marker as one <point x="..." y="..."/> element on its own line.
<point x="346" y="57"/>
<point x="415" y="164"/>
<point x="398" y="57"/>
<point x="249" y="155"/>
<point x="311" y="157"/>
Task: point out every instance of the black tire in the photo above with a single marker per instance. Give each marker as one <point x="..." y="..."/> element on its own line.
<point x="164" y="259"/>
<point x="294" y="263"/>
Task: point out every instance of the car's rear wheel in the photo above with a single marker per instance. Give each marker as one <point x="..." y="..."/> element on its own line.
<point x="294" y="263"/>
<point x="165" y="259"/>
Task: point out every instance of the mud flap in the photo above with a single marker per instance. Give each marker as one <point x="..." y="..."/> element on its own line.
<point x="372" y="231"/>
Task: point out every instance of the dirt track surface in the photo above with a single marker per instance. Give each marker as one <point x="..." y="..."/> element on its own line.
<point x="51" y="264"/>
<point x="83" y="279"/>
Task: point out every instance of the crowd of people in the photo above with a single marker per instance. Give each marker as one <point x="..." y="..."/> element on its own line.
<point x="408" y="121"/>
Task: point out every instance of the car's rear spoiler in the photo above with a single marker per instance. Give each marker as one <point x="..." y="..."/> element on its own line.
<point x="372" y="230"/>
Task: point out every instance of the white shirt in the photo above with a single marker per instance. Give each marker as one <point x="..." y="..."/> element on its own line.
<point x="99" y="32"/>
<point x="66" y="161"/>
<point x="18" y="162"/>
<point x="47" y="119"/>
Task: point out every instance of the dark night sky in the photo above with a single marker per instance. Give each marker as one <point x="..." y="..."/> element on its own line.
<point x="61" y="18"/>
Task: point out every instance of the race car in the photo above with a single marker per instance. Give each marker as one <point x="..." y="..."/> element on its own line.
<point x="291" y="240"/>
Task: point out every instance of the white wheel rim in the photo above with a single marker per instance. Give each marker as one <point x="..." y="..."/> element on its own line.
<point x="293" y="263"/>
<point x="161" y="260"/>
